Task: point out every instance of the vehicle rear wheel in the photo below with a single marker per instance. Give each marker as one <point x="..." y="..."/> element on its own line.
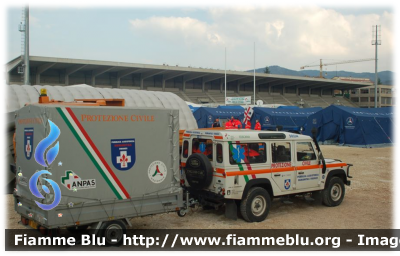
<point x="255" y="206"/>
<point x="113" y="232"/>
<point x="333" y="194"/>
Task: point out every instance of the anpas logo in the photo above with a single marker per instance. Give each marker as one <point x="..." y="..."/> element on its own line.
<point x="349" y="121"/>
<point x="287" y="184"/>
<point x="266" y="119"/>
<point x="72" y="181"/>
<point x="123" y="153"/>
<point x="35" y="180"/>
<point x="157" y="172"/>
<point x="28" y="142"/>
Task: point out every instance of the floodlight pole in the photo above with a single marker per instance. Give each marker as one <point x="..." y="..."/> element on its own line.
<point x="376" y="42"/>
<point x="254" y="99"/>
<point x="26" y="51"/>
<point x="225" y="76"/>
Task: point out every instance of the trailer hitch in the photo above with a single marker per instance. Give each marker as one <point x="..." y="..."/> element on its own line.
<point x="189" y="203"/>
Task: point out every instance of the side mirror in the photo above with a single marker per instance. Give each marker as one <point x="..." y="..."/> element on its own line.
<point x="301" y="129"/>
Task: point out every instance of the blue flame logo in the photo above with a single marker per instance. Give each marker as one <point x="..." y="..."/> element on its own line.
<point x="35" y="191"/>
<point x="45" y="143"/>
<point x="50" y="156"/>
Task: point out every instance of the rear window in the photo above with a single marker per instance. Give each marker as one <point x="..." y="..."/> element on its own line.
<point x="203" y="146"/>
<point x="220" y="154"/>
<point x="250" y="153"/>
<point x="185" y="148"/>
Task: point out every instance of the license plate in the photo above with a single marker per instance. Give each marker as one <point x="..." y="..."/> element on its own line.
<point x="33" y="224"/>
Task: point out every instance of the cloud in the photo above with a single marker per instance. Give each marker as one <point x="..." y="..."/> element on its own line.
<point x="179" y="28"/>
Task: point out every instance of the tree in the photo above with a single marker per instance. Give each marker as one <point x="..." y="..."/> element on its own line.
<point x="266" y="71"/>
<point x="379" y="81"/>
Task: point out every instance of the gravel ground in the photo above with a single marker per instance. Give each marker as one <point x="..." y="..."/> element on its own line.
<point x="368" y="203"/>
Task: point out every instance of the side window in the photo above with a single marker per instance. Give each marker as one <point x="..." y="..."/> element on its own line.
<point x="250" y="153"/>
<point x="305" y="151"/>
<point x="185" y="148"/>
<point x="220" y="158"/>
<point x="281" y="152"/>
<point x="203" y="146"/>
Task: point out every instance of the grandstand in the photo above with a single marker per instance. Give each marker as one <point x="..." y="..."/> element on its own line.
<point x="197" y="85"/>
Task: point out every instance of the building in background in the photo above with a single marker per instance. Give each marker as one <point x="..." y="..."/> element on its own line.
<point x="364" y="97"/>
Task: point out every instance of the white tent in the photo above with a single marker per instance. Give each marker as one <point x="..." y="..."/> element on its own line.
<point x="19" y="95"/>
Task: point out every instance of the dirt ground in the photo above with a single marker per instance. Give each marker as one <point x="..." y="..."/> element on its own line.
<point x="368" y="203"/>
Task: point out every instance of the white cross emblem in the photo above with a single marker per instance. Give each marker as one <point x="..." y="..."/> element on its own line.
<point x="28" y="148"/>
<point x="123" y="159"/>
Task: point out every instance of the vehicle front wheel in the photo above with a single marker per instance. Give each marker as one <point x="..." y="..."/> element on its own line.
<point x="255" y="206"/>
<point x="333" y="193"/>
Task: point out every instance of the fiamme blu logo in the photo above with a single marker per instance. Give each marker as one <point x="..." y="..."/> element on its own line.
<point x="45" y="159"/>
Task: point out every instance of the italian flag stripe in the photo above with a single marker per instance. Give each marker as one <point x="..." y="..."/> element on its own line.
<point x="239" y="164"/>
<point x="246" y="161"/>
<point x="93" y="153"/>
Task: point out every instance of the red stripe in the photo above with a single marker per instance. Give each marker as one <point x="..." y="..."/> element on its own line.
<point x="247" y="163"/>
<point x="97" y="152"/>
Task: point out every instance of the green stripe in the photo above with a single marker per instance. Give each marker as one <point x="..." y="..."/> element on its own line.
<point x="239" y="164"/>
<point x="63" y="179"/>
<point x="88" y="152"/>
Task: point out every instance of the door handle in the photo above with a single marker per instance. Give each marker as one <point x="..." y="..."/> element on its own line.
<point x="301" y="172"/>
<point x="276" y="175"/>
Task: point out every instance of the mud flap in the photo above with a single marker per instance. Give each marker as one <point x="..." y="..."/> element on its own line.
<point x="231" y="209"/>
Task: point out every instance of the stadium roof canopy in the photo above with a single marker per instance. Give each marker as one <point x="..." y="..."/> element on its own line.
<point x="100" y="73"/>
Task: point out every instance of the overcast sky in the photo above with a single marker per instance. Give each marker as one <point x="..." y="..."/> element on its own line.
<point x="289" y="36"/>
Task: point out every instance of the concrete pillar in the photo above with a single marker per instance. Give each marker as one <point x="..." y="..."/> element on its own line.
<point x="93" y="80"/>
<point x="163" y="83"/>
<point x="118" y="85"/>
<point x="221" y="85"/>
<point x="203" y="85"/>
<point x="41" y="69"/>
<point x="283" y="90"/>
<point x="8" y="76"/>
<point x="237" y="86"/>
<point x="184" y="86"/>
<point x="269" y="89"/>
<point x="297" y="90"/>
<point x="320" y="93"/>
<point x="309" y="91"/>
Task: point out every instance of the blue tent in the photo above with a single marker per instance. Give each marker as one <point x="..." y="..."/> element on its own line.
<point x="361" y="127"/>
<point x="193" y="109"/>
<point x="205" y="116"/>
<point x="290" y="119"/>
<point x="231" y="107"/>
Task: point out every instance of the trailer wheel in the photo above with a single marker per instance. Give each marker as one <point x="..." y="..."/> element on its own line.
<point x="113" y="232"/>
<point x="255" y="206"/>
<point x="181" y="213"/>
<point x="198" y="171"/>
<point x="333" y="194"/>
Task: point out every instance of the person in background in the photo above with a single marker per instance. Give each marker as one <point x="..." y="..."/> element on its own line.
<point x="216" y="123"/>
<point x="230" y="124"/>
<point x="257" y="126"/>
<point x="248" y="124"/>
<point x="238" y="124"/>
